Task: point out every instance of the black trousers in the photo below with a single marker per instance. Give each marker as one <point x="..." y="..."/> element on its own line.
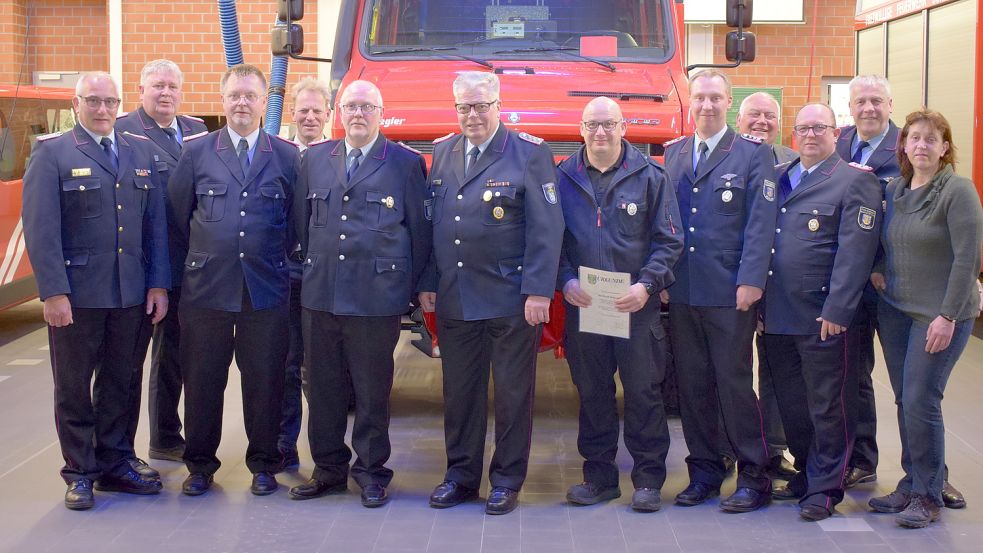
<point x="812" y="378"/>
<point x="506" y="347"/>
<point x="209" y="339"/>
<point x="295" y="383"/>
<point x="864" y="424"/>
<point x="640" y="362"/>
<point x="164" y="390"/>
<point x="92" y="427"/>
<point x="362" y="347"/>
<point x="771" y="418"/>
<point x="714" y="364"/>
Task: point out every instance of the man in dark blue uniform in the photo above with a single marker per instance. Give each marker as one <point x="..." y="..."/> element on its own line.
<point x="231" y="201"/>
<point x="620" y="215"/>
<point x="158" y="119"/>
<point x="366" y="238"/>
<point x="724" y="184"/>
<point x="497" y="234"/>
<point x="827" y="235"/>
<point x="96" y="232"/>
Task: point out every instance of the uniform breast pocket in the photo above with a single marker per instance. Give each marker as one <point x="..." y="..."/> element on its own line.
<point x="382" y="210"/>
<point x="143" y="186"/>
<point x="437" y="202"/>
<point x="274" y="203"/>
<point x="632" y="213"/>
<point x="211" y="200"/>
<point x="83" y="195"/>
<point x="728" y="195"/>
<point x="318" y="200"/>
<point x="502" y="205"/>
<point x="816" y="222"/>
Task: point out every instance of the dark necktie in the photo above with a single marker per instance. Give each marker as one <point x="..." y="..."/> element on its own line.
<point x="244" y="156"/>
<point x="353" y="158"/>
<point x="107" y="147"/>
<point x="701" y="157"/>
<point x="169" y="131"/>
<point x="859" y="154"/>
<point x="473" y="154"/>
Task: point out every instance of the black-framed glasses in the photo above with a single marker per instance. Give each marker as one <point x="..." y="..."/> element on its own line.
<point x="608" y="126"/>
<point x="818" y="130"/>
<point x="480" y="107"/>
<point x="93" y="102"/>
<point x="350" y="109"/>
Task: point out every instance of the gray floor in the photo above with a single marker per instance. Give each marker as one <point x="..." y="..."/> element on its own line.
<point x="32" y="518"/>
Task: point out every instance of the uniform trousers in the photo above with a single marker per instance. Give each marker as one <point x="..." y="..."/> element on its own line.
<point x="812" y="378"/>
<point x="864" y="424"/>
<point x="209" y="339"/>
<point x="336" y="346"/>
<point x="640" y="363"/>
<point x="294" y="383"/>
<point x="506" y="347"/>
<point x="767" y="398"/>
<point x="714" y="364"/>
<point x="92" y="427"/>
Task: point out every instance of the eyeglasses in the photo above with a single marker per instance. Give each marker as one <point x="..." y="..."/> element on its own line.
<point x="480" y="107"/>
<point x="249" y="97"/>
<point x="606" y="125"/>
<point x="93" y="102"/>
<point x="350" y="109"/>
<point x="768" y="115"/>
<point x="818" y="130"/>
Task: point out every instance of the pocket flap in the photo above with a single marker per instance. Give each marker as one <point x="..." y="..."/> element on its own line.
<point x="143" y="183"/>
<point x="439" y="191"/>
<point x="80" y="184"/>
<point x="734" y="181"/>
<point x="274" y="192"/>
<point x="815" y="283"/>
<point x="503" y="191"/>
<point x="510" y="266"/>
<point x="388" y="264"/>
<point x="321" y="194"/>
<point x="817" y="209"/>
<point x="196" y="260"/>
<point x="211" y="188"/>
<point x="74" y="258"/>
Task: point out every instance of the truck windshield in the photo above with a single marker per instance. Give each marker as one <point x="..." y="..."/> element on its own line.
<point x="480" y="30"/>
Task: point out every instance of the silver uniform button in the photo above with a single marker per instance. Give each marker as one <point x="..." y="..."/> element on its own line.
<point x="460" y="196"/>
<point x="241" y="255"/>
<point x="457" y="242"/>
<point x="519" y="268"/>
<point x="394" y="267"/>
<point x="120" y="229"/>
<point x="692" y="229"/>
<point x="460" y="263"/>
<point x="242" y="233"/>
<point x="244" y="194"/>
<point x="695" y="189"/>
<point x="68" y="262"/>
<point x="693" y="210"/>
<point x="457" y="217"/>
<point x="773" y="250"/>
<point x="119" y="207"/>
<point x="211" y="192"/>
<point x="824" y="288"/>
<point x="344" y="217"/>
<point x="120" y="250"/>
<point x="308" y="260"/>
<point x="784" y="210"/>
<point x="341" y="257"/>
<point x="778" y="230"/>
<point x="242" y="213"/>
<point x="117" y="185"/>
<point x="342" y="237"/>
<point x="81" y="187"/>
<point x="692" y="249"/>
<point x="770" y="273"/>
<point x="194" y="263"/>
<point x="344" y="199"/>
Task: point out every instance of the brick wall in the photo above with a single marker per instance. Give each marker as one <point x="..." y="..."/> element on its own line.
<point x="68" y="35"/>
<point x="13" y="18"/>
<point x="783" y="56"/>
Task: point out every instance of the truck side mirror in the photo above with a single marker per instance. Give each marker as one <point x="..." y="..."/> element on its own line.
<point x="290" y="10"/>
<point x="740" y="47"/>
<point x="286" y="40"/>
<point x="739" y="13"/>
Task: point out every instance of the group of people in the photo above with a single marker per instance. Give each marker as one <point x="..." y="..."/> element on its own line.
<point x="289" y="254"/>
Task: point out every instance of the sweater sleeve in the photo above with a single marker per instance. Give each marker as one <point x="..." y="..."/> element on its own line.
<point x="964" y="218"/>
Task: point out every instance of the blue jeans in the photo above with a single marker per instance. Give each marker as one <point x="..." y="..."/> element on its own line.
<point x="918" y="379"/>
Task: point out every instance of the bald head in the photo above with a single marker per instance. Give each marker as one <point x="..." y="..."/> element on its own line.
<point x="361" y="112"/>
<point x="362" y="89"/>
<point x="602" y="128"/>
<point x="602" y="104"/>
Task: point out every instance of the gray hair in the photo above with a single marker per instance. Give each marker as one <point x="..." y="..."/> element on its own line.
<point x="160" y="66"/>
<point x="760" y="94"/>
<point x="870" y="80"/>
<point x="468" y="80"/>
<point x="94" y="76"/>
<point x="314" y="85"/>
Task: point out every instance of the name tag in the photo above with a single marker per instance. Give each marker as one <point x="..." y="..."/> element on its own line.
<point x="82" y="172"/>
<point x="142" y="172"/>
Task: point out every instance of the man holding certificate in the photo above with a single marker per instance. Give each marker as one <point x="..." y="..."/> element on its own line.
<point x="622" y="235"/>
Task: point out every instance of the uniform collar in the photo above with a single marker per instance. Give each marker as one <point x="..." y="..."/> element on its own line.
<point x="250" y="140"/>
<point x="365" y="149"/>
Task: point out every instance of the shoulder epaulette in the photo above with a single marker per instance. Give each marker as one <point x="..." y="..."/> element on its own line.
<point x="194" y="136"/>
<point x="673" y="141"/>
<point x="751" y="138"/>
<point x="530" y="138"/>
<point x="193" y="118"/>
<point x="288" y="141"/>
<point x="783" y="165"/>
<point x="140" y="136"/>
<point x="443" y="138"/>
<point x="122" y="115"/>
<point x="410" y="148"/>
<point x="861" y="166"/>
<point x="316" y="142"/>
<point x="49" y="136"/>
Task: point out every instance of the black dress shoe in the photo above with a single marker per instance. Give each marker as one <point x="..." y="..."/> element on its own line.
<point x="449" y="493"/>
<point x="289" y="460"/>
<point x="316" y="488"/>
<point x="130" y="482"/>
<point x="696" y="493"/>
<point x="785" y="493"/>
<point x="196" y="483"/>
<point x="857" y="475"/>
<point x="78" y="496"/>
<point x="814" y="513"/>
<point x="264" y="483"/>
<point x="646" y="500"/>
<point x="374" y="495"/>
<point x="745" y="500"/>
<point x="951" y="497"/>
<point x="143" y="469"/>
<point x="780" y="469"/>
<point x="175" y="454"/>
<point x="501" y="501"/>
<point x="589" y="493"/>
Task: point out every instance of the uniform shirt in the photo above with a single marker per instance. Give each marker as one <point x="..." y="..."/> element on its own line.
<point x="711" y="144"/>
<point x="250" y="141"/>
<point x="872" y="145"/>
<point x="601" y="180"/>
<point x="884" y="158"/>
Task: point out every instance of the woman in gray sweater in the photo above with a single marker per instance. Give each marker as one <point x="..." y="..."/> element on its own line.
<point x="928" y="282"/>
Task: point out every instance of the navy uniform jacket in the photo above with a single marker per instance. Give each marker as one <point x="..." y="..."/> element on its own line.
<point x="784" y="154"/>
<point x="97" y="235"/>
<point x="636" y="230"/>
<point x="233" y="229"/>
<point x="830" y="226"/>
<point x="166" y="154"/>
<point x="368" y="240"/>
<point x="728" y="215"/>
<point x="485" y="265"/>
<point x="883" y="161"/>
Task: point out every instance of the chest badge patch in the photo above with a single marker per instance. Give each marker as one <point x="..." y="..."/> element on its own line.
<point x="82" y="172"/>
<point x="727" y="196"/>
<point x="632" y="209"/>
<point x="768" y="190"/>
<point x="866" y="218"/>
<point x="487" y="196"/>
<point x="549" y="190"/>
<point x="814" y="225"/>
<point x="389" y="201"/>
<point x="498" y="213"/>
<point x="142" y="172"/>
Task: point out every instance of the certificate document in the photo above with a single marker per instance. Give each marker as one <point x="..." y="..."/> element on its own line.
<point x="604" y="288"/>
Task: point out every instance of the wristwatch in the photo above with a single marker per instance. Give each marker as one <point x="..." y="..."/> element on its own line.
<point x="948" y="318"/>
<point x="649" y="287"/>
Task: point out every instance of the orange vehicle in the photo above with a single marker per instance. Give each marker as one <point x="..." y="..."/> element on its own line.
<point x="26" y="112"/>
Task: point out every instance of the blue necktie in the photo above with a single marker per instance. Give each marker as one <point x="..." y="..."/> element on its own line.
<point x="859" y="154"/>
<point x="169" y="131"/>
<point x="354" y="158"/>
<point x="107" y="147"/>
<point x="701" y="157"/>
<point x="244" y="156"/>
<point x="473" y="154"/>
<point x="795" y="177"/>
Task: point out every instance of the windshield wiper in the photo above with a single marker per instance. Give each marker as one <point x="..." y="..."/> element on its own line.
<point x="440" y="50"/>
<point x="563" y="50"/>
